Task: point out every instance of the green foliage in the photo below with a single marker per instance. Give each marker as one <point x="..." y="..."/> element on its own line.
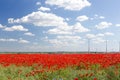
<point x="70" y="73"/>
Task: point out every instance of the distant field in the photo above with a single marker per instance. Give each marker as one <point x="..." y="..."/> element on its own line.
<point x="84" y="66"/>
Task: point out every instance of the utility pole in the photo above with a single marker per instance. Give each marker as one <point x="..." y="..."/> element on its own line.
<point x="88" y="45"/>
<point x="95" y="50"/>
<point x="106" y="46"/>
<point x="119" y="46"/>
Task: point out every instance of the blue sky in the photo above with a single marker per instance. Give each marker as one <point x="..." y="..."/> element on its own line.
<point x="59" y="25"/>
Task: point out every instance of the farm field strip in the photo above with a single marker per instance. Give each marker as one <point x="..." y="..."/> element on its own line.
<point x="61" y="60"/>
<point x="60" y="66"/>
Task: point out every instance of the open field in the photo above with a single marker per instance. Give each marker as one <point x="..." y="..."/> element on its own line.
<point x="105" y="66"/>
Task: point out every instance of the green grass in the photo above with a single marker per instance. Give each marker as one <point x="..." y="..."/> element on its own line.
<point x="70" y="73"/>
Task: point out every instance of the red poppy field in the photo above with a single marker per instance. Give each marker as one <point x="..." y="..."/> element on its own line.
<point x="103" y="66"/>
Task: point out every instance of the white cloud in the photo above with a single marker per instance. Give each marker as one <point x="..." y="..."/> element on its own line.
<point x="90" y="36"/>
<point x="38" y="3"/>
<point x="98" y="40"/>
<point x="61" y="30"/>
<point x="82" y="18"/>
<point x="1" y="26"/>
<point x="69" y="37"/>
<point x="65" y="40"/>
<point x="67" y="19"/>
<point x="91" y="18"/>
<point x="48" y="19"/>
<point x="76" y="28"/>
<point x="14" y="40"/>
<point x="117" y="25"/>
<point x="16" y="28"/>
<point x="58" y="31"/>
<point x="102" y="17"/>
<point x="44" y="9"/>
<point x="103" y="25"/>
<point x="79" y="28"/>
<point x="11" y="20"/>
<point x="70" y="4"/>
<point x="100" y="35"/>
<point x="109" y="33"/>
<point x="8" y="40"/>
<point x="23" y="41"/>
<point x="74" y="40"/>
<point x="97" y="17"/>
<point x="40" y="19"/>
<point x="29" y="34"/>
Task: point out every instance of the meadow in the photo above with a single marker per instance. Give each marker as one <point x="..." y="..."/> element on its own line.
<point x="100" y="66"/>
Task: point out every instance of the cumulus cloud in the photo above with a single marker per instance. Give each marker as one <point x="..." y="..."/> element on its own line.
<point x="103" y="25"/>
<point x="44" y="19"/>
<point x="90" y="36"/>
<point x="117" y="25"/>
<point x="109" y="33"/>
<point x="98" y="40"/>
<point x="82" y="18"/>
<point x="102" y="17"/>
<point x="58" y="31"/>
<point x="11" y="20"/>
<point x="23" y="41"/>
<point x="29" y="34"/>
<point x="13" y="40"/>
<point x="67" y="19"/>
<point x="16" y="28"/>
<point x="38" y="3"/>
<point x="56" y="42"/>
<point x="8" y="40"/>
<point x="44" y="9"/>
<point x="61" y="30"/>
<point x="79" y="28"/>
<point x="70" y="4"/>
<point x="76" y="28"/>
<point x="100" y="35"/>
<point x="97" y="17"/>
<point x="40" y="19"/>
<point x="1" y="26"/>
<point x="66" y="40"/>
<point x="69" y="37"/>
